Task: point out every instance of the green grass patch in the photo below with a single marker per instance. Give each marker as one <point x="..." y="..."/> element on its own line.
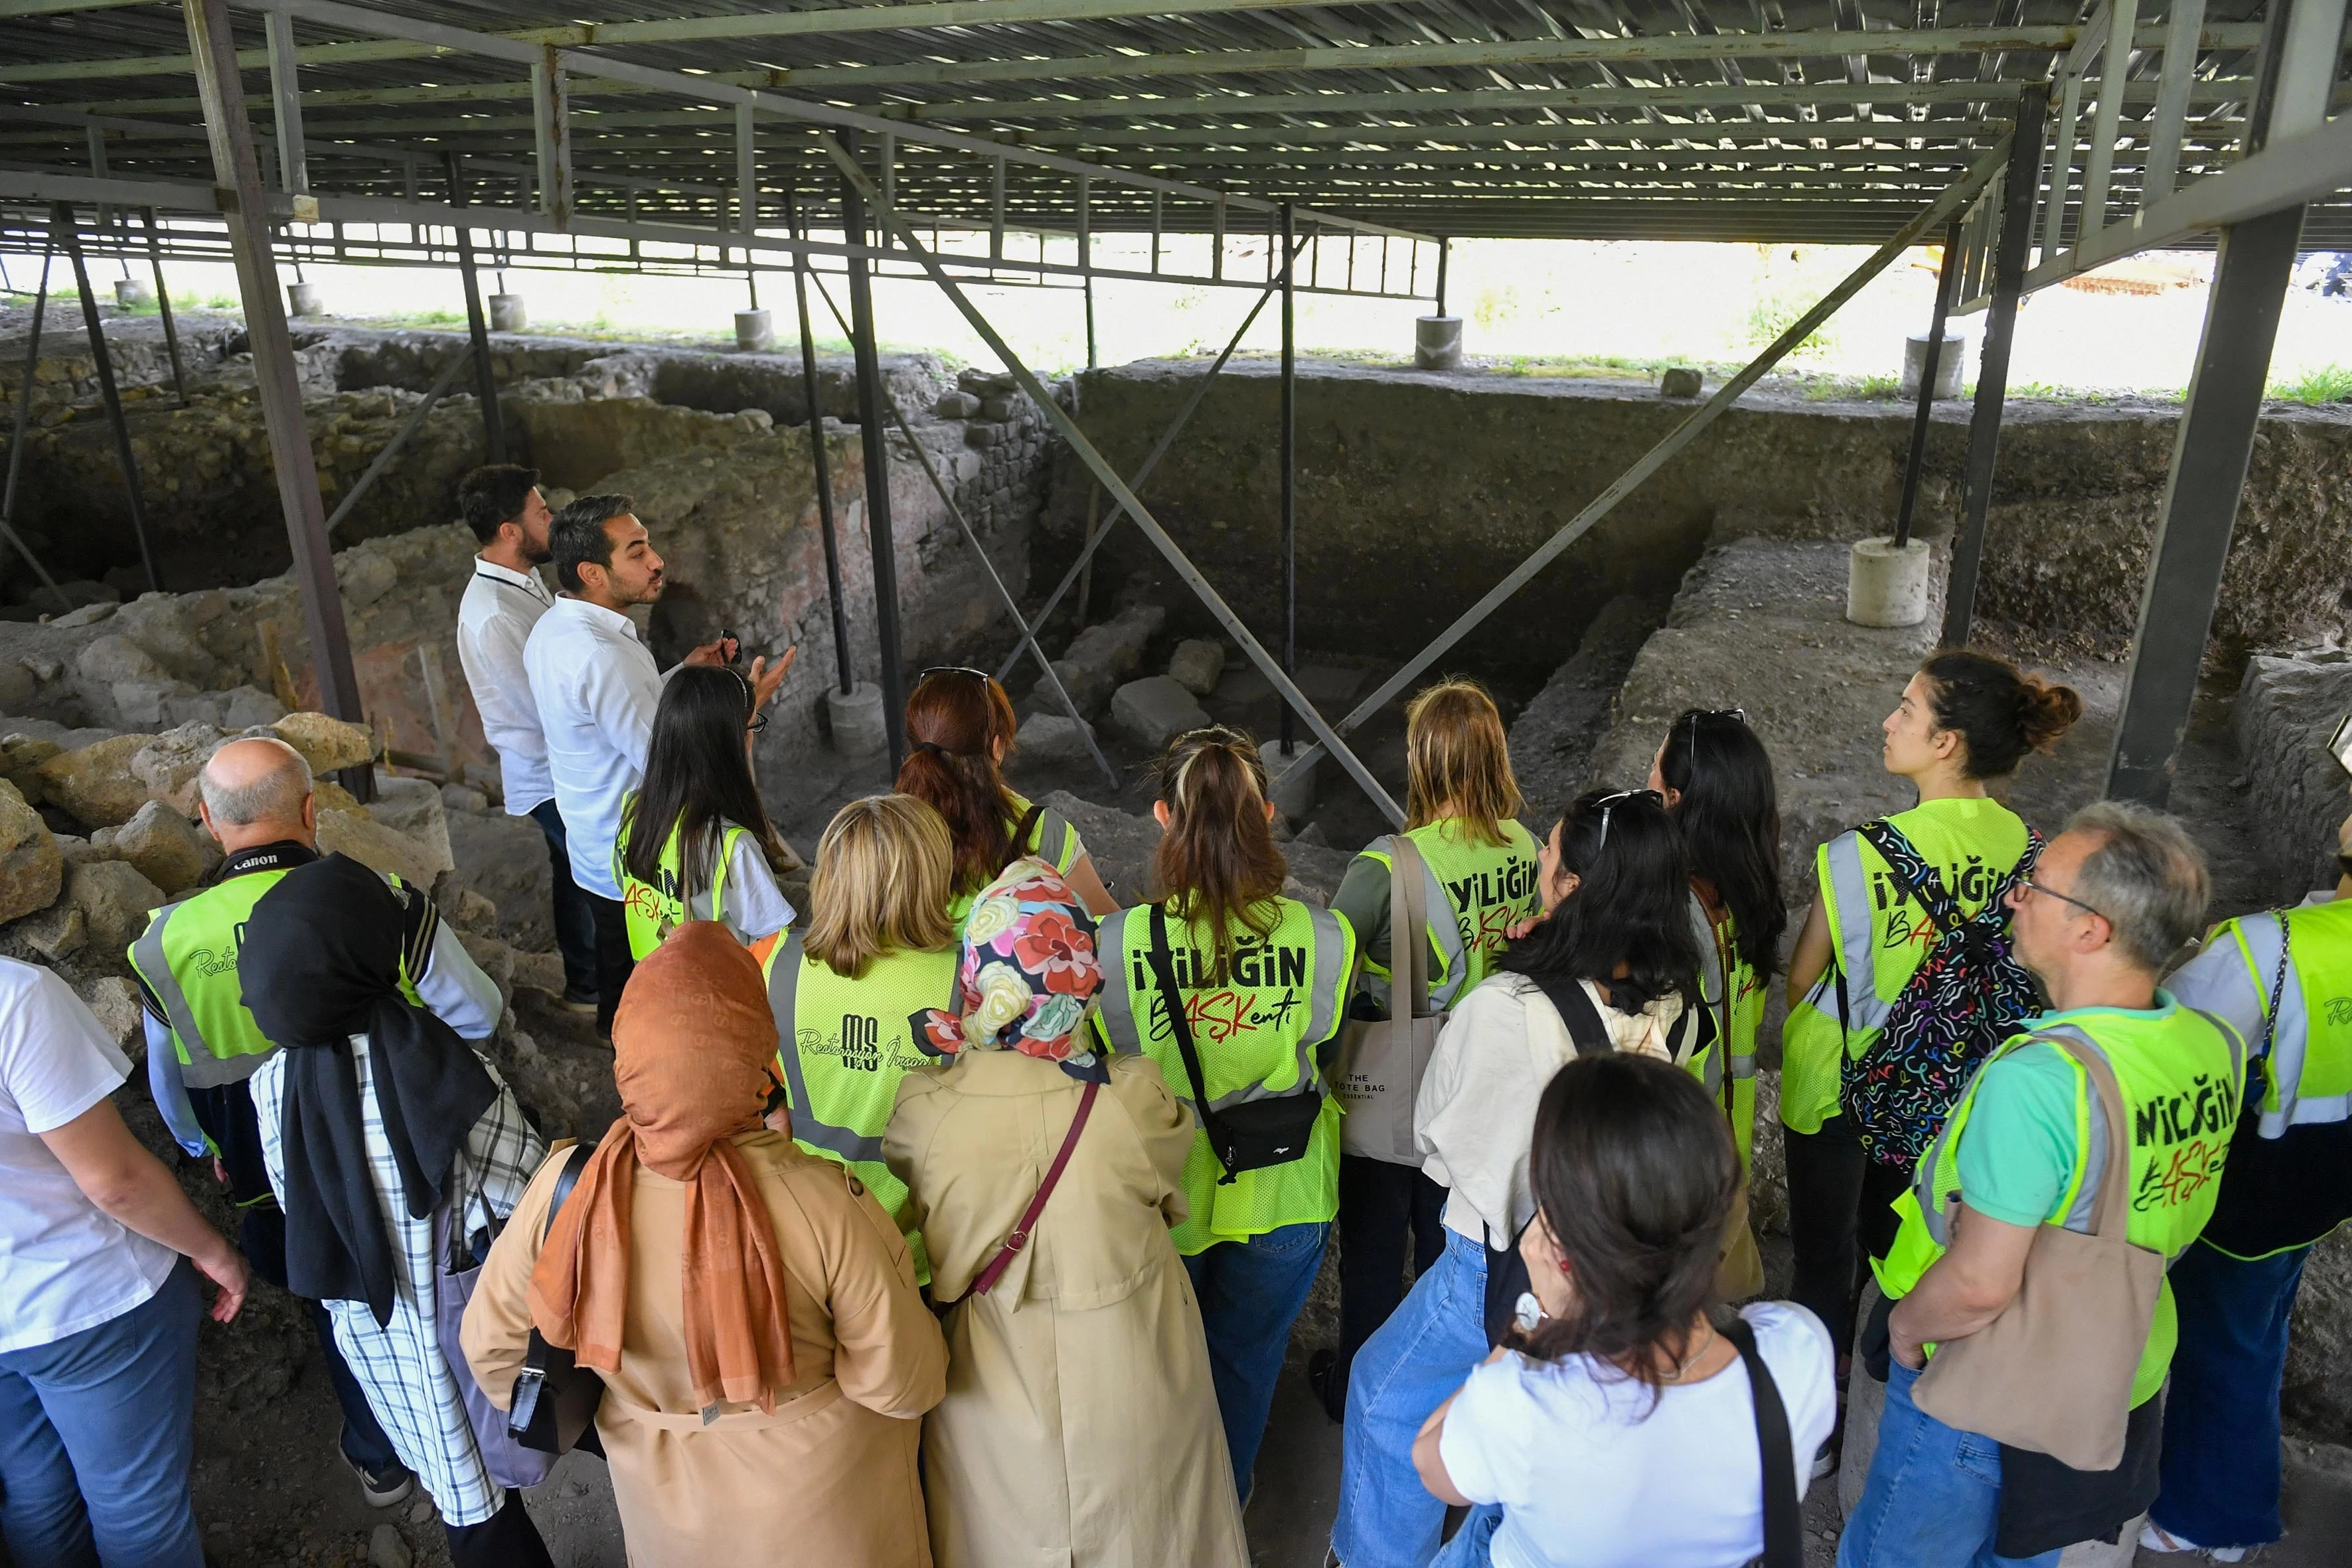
<point x="2327" y="384"/>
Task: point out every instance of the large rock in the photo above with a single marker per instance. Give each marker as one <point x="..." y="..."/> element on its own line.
<point x="504" y="858"/>
<point x="113" y="659"/>
<point x="2286" y="709"/>
<point x="1100" y="657"/>
<point x="168" y="849"/>
<point x="1197" y="665"/>
<point x="21" y="757"/>
<point x="1052" y="738"/>
<point x="413" y="806"/>
<point x="95" y="784"/>
<point x="31" y="868"/>
<point x="170" y="764"/>
<point x="52" y="936"/>
<point x="114" y="1002"/>
<point x="381" y="848"/>
<point x="327" y="744"/>
<point x="1155" y="710"/>
<point x="115" y="899"/>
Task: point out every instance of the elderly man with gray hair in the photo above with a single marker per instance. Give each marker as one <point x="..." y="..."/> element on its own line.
<point x="203" y="1045"/>
<point x="2112" y="902"/>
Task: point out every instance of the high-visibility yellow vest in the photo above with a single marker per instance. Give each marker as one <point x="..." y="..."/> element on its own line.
<point x="2181" y="1074"/>
<point x="187" y="958"/>
<point x="656" y="909"/>
<point x="1258" y="1035"/>
<point x="1051" y="840"/>
<point x="1489" y="888"/>
<point x="842" y="1045"/>
<point x="1727" y="1064"/>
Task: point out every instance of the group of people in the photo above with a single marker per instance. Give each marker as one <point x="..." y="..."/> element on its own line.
<point x="967" y="1214"/>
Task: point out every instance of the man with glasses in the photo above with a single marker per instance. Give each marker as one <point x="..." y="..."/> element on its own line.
<point x="596" y="687"/>
<point x="2111" y="904"/>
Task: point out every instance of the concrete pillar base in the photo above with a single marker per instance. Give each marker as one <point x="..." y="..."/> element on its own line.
<point x="130" y="291"/>
<point x="1885" y="586"/>
<point x="755" y="331"/>
<point x="302" y="299"/>
<point x="1296" y="799"/>
<point x="1437" y="343"/>
<point x="1949" y="365"/>
<point x="506" y="313"/>
<point x="856" y="719"/>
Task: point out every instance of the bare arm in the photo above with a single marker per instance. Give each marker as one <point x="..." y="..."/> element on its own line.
<point x="1967" y="1287"/>
<point x="1807" y="964"/>
<point x="1087" y="883"/>
<point x="116" y="1173"/>
<point x="1426" y="1459"/>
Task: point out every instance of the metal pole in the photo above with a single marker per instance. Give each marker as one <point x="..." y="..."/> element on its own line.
<point x="1945" y="276"/>
<point x="819" y="462"/>
<point x="2013" y="250"/>
<point x="485" y="380"/>
<point x="1442" y="245"/>
<point x="163" y="307"/>
<point x="1090" y="320"/>
<point x="1289" y="443"/>
<point x="24" y="423"/>
<point x="877" y="447"/>
<point x="61" y="218"/>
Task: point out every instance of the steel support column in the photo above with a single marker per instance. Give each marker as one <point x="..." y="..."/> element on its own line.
<point x="875" y="441"/>
<point x="2013" y="251"/>
<point x="1442" y="246"/>
<point x="1947" y="275"/>
<point x="819" y="461"/>
<point x="1289" y="442"/>
<point x="24" y="423"/>
<point x="486" y="376"/>
<point x="61" y="223"/>
<point x="163" y="307"/>
<point x="234" y="170"/>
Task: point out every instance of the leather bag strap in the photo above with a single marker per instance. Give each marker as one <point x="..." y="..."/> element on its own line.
<point x="574" y="1158"/>
<point x="1784" y="1540"/>
<point x="1027" y="1225"/>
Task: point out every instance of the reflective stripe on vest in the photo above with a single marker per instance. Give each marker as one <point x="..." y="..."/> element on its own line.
<point x="1851" y="886"/>
<point x="2308" y="1079"/>
<point x="1444" y="934"/>
<point x="234" y="1052"/>
<point x="1485" y="888"/>
<point x="784" y="987"/>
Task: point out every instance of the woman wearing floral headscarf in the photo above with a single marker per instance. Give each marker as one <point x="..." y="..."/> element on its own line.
<point x="1080" y="1424"/>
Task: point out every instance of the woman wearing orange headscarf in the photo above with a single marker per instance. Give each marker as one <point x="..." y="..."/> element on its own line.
<point x="751" y="1308"/>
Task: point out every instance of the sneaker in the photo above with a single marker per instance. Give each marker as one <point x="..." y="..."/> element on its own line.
<point x="2155" y="1537"/>
<point x="1825" y="1462"/>
<point x="383" y="1487"/>
<point x="577" y="1001"/>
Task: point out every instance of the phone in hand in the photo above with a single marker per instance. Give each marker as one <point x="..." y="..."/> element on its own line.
<point x="2339" y="745"/>
<point x="728" y="645"/>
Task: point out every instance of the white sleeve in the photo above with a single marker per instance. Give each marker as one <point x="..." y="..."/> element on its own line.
<point x="2216" y="981"/>
<point x="456" y="991"/>
<point x="56" y="1061"/>
<point x="1490" y="1424"/>
<point x="756" y="906"/>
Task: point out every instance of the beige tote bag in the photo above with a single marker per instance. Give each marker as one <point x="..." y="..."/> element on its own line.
<point x="1382" y="1061"/>
<point x="2054" y="1373"/>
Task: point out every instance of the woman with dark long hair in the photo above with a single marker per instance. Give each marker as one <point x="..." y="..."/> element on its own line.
<point x="1236" y="992"/>
<point x="1717" y="780"/>
<point x="960" y="725"/>
<point x="1613" y="966"/>
<point x="1617" y="1427"/>
<point x="696" y="842"/>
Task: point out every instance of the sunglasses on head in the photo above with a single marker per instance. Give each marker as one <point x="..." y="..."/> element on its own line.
<point x="1740" y="714"/>
<point x="952" y="669"/>
<point x="1608" y="803"/>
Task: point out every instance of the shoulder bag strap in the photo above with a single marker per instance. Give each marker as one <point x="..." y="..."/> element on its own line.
<point x="566" y="1179"/>
<point x="1163" y="970"/>
<point x="1408" y="930"/>
<point x="2115" y="1182"/>
<point x="1023" y="828"/>
<point x="1027" y="1224"/>
<point x="1576" y="1010"/>
<point x="1920" y="881"/>
<point x="1784" y="1540"/>
<point x="2278" y="992"/>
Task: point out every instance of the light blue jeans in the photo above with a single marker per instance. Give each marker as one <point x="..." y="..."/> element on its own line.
<point x="1411" y="1363"/>
<point x="1473" y="1545"/>
<point x="1933" y="1499"/>
<point x="96" y="1438"/>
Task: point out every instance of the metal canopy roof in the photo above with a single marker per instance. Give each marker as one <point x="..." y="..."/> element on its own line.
<point x="1817" y="120"/>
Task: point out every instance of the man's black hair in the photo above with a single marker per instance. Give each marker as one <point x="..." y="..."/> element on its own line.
<point x="578" y="536"/>
<point x="493" y="494"/>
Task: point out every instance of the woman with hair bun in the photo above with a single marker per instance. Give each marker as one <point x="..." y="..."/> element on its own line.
<point x="1965" y="721"/>
<point x="960" y="725"/>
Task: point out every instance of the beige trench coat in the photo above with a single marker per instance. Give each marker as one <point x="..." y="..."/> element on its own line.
<point x="1080" y="1427"/>
<point x="829" y="1479"/>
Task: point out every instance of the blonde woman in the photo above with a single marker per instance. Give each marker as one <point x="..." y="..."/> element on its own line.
<point x="1462" y="805"/>
<point x="879" y="948"/>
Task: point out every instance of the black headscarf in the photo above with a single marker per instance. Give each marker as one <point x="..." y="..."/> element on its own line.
<point x="321" y="962"/>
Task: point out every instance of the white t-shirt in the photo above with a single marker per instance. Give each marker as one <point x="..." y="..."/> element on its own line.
<point x="64" y="1264"/>
<point x="1586" y="1481"/>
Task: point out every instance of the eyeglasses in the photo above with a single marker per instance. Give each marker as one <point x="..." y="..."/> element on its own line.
<point x="2031" y="886"/>
<point x="1608" y="803"/>
<point x="953" y="669"/>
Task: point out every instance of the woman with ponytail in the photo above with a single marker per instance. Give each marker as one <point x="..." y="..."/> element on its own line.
<point x="1965" y="722"/>
<point x="1716" y="781"/>
<point x="1237" y="993"/>
<point x="960" y="725"/>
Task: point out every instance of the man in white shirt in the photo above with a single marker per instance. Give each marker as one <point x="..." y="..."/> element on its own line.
<point x="597" y="688"/>
<point x="502" y="504"/>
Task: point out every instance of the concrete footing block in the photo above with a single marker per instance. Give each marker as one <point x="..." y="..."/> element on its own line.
<point x="1885" y="586"/>
<point x="857" y="720"/>
<point x="1949" y="365"/>
<point x="755" y="331"/>
<point x="1437" y="343"/>
<point x="1296" y="799"/>
<point x="133" y="291"/>
<point x="302" y="299"/>
<point x="506" y="313"/>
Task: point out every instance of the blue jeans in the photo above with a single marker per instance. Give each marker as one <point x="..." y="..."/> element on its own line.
<point x="1933" y="1499"/>
<point x="1407" y="1368"/>
<point x="2220" y="1464"/>
<point x="97" y="1432"/>
<point x="575" y="918"/>
<point x="1250" y="1291"/>
<point x="1473" y="1545"/>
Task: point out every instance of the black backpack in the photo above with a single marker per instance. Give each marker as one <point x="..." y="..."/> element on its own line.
<point x="1966" y="996"/>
